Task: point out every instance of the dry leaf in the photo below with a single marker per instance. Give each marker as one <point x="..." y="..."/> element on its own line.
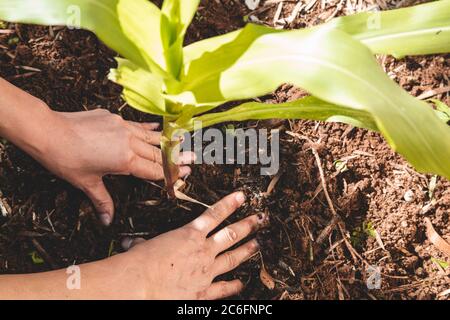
<point x="436" y="239"/>
<point x="266" y="278"/>
<point x="180" y="195"/>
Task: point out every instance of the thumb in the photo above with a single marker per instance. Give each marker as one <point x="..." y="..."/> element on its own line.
<point x="102" y="201"/>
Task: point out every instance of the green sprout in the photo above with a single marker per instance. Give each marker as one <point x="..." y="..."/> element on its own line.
<point x="36" y="258"/>
<point x="13" y="41"/>
<point x="361" y="233"/>
<point x="443" y="264"/>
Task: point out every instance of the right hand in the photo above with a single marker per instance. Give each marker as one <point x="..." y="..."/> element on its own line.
<point x="85" y="146"/>
<point x="182" y="264"/>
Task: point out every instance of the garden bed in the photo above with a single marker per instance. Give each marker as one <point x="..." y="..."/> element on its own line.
<point x="381" y="200"/>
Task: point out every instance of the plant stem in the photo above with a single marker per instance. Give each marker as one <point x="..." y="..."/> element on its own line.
<point x="170" y="147"/>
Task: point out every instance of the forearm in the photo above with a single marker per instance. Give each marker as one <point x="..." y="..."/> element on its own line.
<point x="112" y="278"/>
<point x="25" y="120"/>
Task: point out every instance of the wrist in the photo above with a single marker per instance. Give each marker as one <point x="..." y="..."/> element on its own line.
<point x="39" y="125"/>
<point x="28" y="124"/>
<point x="23" y="118"/>
<point x="129" y="277"/>
<point x="146" y="272"/>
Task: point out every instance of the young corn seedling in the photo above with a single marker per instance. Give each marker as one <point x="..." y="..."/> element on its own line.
<point x="334" y="62"/>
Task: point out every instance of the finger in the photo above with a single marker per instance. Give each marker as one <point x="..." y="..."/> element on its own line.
<point x="146" y="169"/>
<point x="232" y="259"/>
<point x="224" y="289"/>
<point x="146" y="150"/>
<point x="150" y="125"/>
<point x="102" y="201"/>
<point x="145" y="132"/>
<point x="128" y="243"/>
<point x="230" y="235"/>
<point x="216" y="214"/>
<point x="184" y="171"/>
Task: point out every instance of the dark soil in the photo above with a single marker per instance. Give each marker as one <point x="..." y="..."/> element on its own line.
<point x="373" y="190"/>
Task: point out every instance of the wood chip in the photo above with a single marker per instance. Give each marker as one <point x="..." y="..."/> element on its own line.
<point x="434" y="92"/>
<point x="150" y="203"/>
<point x="310" y="5"/>
<point x="5" y="210"/>
<point x="277" y="16"/>
<point x="266" y="278"/>
<point x="272" y="185"/>
<point x="297" y="9"/>
<point x="444" y="293"/>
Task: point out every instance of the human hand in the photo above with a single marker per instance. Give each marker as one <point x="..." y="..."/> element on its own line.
<point x="182" y="264"/>
<point x="84" y="146"/>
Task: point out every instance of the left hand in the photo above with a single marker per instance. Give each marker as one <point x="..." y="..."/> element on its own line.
<point x="183" y="263"/>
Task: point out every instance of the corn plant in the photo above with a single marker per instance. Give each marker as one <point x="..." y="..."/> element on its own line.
<point x="334" y="62"/>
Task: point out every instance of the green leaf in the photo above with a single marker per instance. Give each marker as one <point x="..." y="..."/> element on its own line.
<point x="36" y="258"/>
<point x="176" y="17"/>
<point x="443" y="264"/>
<point x="198" y="49"/>
<point x="111" y="251"/>
<point x="333" y="67"/>
<point x="341" y="166"/>
<point x="369" y="229"/>
<point x="180" y="13"/>
<point x="442" y="110"/>
<point x="141" y="22"/>
<point x="13" y="41"/>
<point x="130" y="27"/>
<point x="417" y="30"/>
<point x="306" y="108"/>
<point x="142" y="89"/>
<point x="422" y="29"/>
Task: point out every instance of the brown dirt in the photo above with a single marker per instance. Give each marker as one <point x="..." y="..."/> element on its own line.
<point x="376" y="187"/>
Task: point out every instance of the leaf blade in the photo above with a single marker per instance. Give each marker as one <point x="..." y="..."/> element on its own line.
<point x="335" y="68"/>
<point x="405" y="31"/>
<point x="417" y="30"/>
<point x="309" y="108"/>
<point x="123" y="25"/>
<point x="142" y="89"/>
<point x="176" y="17"/>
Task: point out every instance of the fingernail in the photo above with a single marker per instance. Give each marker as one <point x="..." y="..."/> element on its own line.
<point x="240" y="198"/>
<point x="105" y="218"/>
<point x="261" y="218"/>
